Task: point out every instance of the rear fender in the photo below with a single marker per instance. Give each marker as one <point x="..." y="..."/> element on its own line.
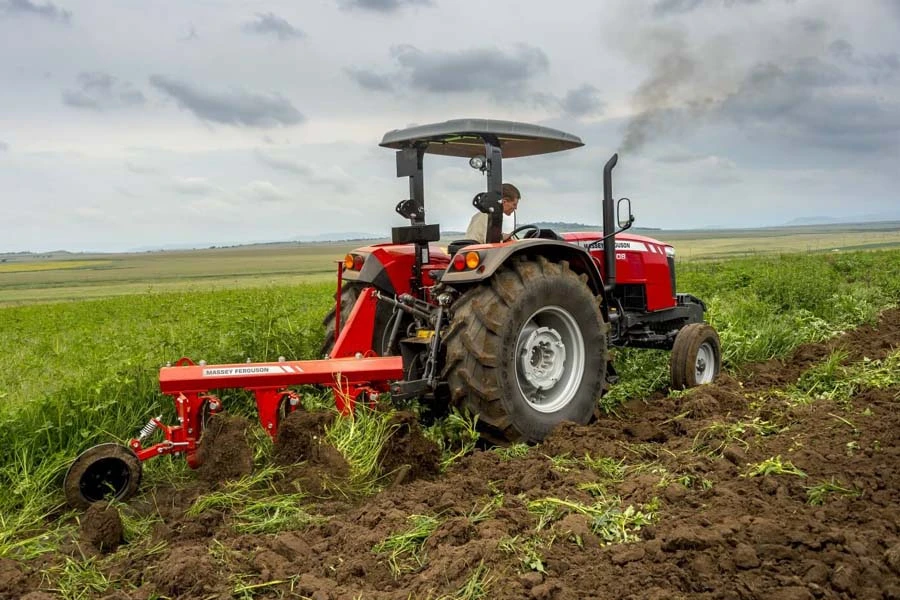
<point x="493" y="256"/>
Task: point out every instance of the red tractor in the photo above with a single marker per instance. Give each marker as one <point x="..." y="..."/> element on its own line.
<point x="517" y="331"/>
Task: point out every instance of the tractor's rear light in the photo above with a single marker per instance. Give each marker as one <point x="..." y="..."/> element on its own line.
<point x="473" y="259"/>
<point x="459" y="262"/>
<point x="348" y="261"/>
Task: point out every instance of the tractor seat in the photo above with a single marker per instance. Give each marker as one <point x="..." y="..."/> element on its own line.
<point x="456" y="245"/>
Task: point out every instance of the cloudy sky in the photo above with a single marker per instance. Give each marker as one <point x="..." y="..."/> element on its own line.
<point x="135" y="124"/>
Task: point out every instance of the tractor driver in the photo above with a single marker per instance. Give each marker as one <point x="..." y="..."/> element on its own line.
<point x="479" y="224"/>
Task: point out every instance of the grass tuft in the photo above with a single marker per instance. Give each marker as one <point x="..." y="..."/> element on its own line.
<point x="404" y="550"/>
<point x="774" y="466"/>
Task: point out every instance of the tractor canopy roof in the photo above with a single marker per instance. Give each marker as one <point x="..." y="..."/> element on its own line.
<point x="466" y="138"/>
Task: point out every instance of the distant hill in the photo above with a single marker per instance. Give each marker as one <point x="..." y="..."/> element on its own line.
<point x="824" y="220"/>
<point x="562" y="226"/>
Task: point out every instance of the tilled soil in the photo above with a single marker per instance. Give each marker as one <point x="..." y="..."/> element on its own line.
<point x="718" y="531"/>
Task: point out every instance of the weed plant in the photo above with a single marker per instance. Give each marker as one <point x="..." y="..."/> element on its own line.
<point x="404" y="550"/>
<point x="774" y="466"/>
<point x="818" y="494"/>
<point x="608" y="520"/>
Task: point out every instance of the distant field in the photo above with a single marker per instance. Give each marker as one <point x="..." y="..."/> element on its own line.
<point x="66" y="276"/>
<point x="49" y="265"/>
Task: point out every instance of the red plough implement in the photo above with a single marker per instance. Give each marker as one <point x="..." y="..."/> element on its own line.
<point x="189" y="385"/>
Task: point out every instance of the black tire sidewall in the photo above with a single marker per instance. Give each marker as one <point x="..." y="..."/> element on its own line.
<point x="574" y="297"/>
<point x="72" y="480"/>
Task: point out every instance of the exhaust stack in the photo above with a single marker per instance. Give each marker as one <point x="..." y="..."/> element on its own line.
<point x="609" y="225"/>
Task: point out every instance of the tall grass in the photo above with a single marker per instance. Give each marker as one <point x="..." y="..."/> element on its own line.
<point x="764" y="307"/>
<point x="78" y="374"/>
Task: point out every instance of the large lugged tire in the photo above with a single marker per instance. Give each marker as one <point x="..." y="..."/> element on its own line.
<point x="350" y="293"/>
<point x="101" y="473"/>
<point x="527" y="350"/>
<point x="696" y="356"/>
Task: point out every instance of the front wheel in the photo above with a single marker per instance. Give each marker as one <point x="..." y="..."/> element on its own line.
<point x="696" y="356"/>
<point x="527" y="350"/>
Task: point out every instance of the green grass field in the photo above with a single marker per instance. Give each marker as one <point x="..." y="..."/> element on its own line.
<point x="25" y="278"/>
<point x="82" y="372"/>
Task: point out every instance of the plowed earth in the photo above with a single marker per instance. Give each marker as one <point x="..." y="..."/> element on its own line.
<point x="717" y="531"/>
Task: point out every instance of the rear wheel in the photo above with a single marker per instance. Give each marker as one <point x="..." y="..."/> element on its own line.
<point x="696" y="356"/>
<point x="350" y="293"/>
<point x="104" y="472"/>
<point x="527" y="350"/>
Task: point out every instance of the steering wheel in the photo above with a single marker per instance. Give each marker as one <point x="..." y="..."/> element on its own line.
<point x="532" y="231"/>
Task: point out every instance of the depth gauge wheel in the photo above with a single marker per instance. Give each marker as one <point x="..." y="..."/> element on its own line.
<point x="104" y="472"/>
<point x="696" y="356"/>
<point x="527" y="350"/>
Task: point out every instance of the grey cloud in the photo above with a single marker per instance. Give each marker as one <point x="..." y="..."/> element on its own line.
<point x="284" y="164"/>
<point x="191" y="34"/>
<point x="48" y="11"/>
<point x="679" y="158"/>
<point x="334" y="177"/>
<point x="809" y="100"/>
<point x="878" y="66"/>
<point x="271" y="24"/>
<point x="369" y="80"/>
<point x="383" y="6"/>
<point x="264" y="191"/>
<point x="810" y="25"/>
<point x="668" y="7"/>
<point x="4" y="146"/>
<point x="141" y="169"/>
<point x="582" y="101"/>
<point x="193" y="186"/>
<point x="236" y="107"/>
<point x="475" y="69"/>
<point x="100" y="91"/>
<point x="664" y="8"/>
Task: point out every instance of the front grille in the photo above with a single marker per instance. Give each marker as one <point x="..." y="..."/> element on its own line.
<point x="671" y="261"/>
<point x="633" y="296"/>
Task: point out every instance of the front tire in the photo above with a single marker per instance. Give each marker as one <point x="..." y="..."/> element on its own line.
<point x="527" y="350"/>
<point x="696" y="356"/>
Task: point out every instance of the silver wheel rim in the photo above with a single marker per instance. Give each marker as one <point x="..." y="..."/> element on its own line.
<point x="705" y="364"/>
<point x="550" y="359"/>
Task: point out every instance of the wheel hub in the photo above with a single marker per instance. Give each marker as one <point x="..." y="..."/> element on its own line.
<point x="543" y="358"/>
<point x="705" y="357"/>
<point x="550" y="358"/>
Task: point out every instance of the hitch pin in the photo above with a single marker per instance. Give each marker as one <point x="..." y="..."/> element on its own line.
<point x="148" y="429"/>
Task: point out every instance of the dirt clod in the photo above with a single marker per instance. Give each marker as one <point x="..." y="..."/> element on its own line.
<point x="301" y="437"/>
<point x="101" y="526"/>
<point x="224" y="452"/>
<point x="409" y="448"/>
<point x="187" y="571"/>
